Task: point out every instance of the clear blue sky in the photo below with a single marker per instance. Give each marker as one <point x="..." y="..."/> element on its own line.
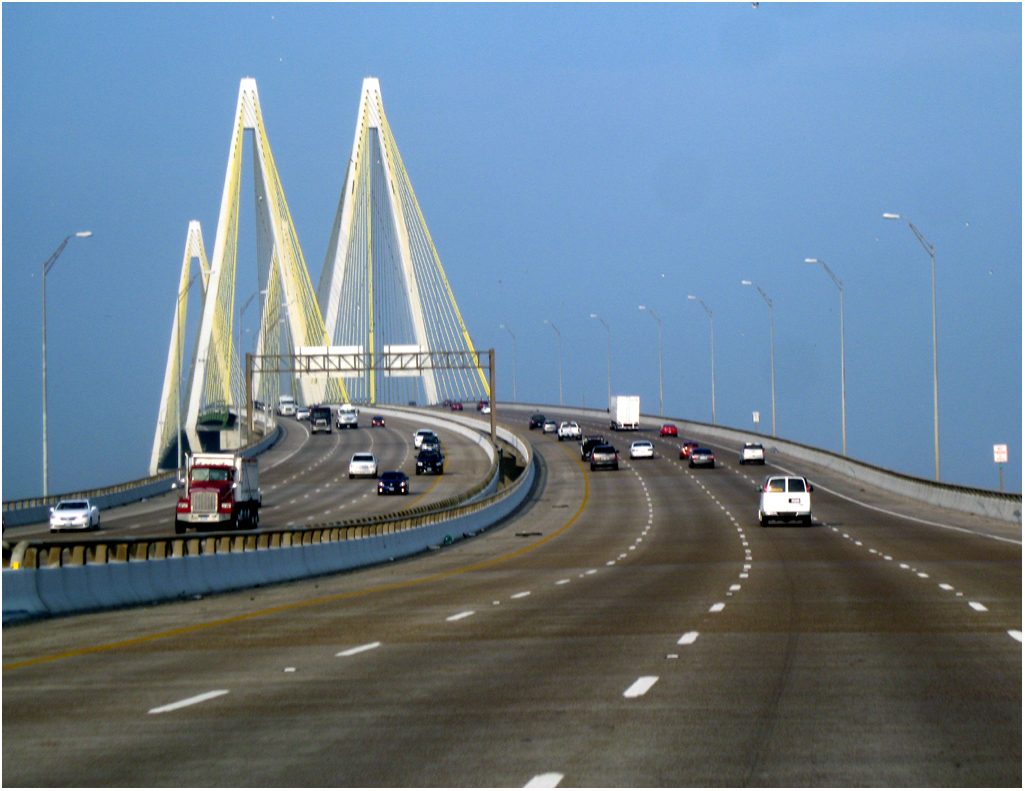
<point x="569" y="159"/>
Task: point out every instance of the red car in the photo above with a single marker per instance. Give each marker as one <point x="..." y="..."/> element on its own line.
<point x="686" y="449"/>
<point x="378" y="420"/>
<point x="667" y="430"/>
<point x="457" y="407"/>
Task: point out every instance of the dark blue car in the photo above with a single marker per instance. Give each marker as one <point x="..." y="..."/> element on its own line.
<point x="394" y="482"/>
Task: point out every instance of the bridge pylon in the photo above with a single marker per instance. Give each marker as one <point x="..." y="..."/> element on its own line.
<point x="383" y="288"/>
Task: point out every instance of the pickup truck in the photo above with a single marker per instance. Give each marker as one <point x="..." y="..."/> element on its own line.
<point x="568" y="430"/>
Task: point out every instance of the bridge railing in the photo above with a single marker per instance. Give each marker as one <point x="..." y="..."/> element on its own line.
<point x="37" y="509"/>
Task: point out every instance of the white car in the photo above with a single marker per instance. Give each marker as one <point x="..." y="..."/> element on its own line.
<point x="302" y="413"/>
<point x="785" y="498"/>
<point x="549" y="427"/>
<point x="364" y="465"/>
<point x="752" y="453"/>
<point x="568" y="430"/>
<point x="642" y="449"/>
<point x="74" y="515"/>
<point x="420" y="435"/>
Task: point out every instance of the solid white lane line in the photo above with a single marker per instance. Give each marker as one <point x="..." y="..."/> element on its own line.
<point x="358" y="649"/>
<point x="688" y="638"/>
<point x="640" y="686"/>
<point x="460" y="616"/>
<point x="547" y="780"/>
<point x="189" y="701"/>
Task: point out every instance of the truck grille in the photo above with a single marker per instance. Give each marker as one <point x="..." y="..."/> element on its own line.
<point x="204" y="502"/>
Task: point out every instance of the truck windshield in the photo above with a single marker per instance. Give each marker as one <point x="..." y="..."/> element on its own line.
<point x="210" y="474"/>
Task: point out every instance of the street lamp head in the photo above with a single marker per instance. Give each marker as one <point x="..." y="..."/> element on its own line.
<point x="891" y="216"/>
<point x="691" y="297"/>
<point x="84" y="234"/>
<point x="594" y="315"/>
<point x="746" y="283"/>
<point x="640" y="307"/>
<point x="812" y="261"/>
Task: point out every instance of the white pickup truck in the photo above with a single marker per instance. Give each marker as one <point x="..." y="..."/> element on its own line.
<point x="568" y="429"/>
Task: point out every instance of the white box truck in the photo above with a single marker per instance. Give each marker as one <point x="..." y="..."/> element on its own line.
<point x="624" y="413"/>
<point x="221" y="491"/>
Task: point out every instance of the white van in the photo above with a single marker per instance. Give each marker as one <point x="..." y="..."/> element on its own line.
<point x="785" y="498"/>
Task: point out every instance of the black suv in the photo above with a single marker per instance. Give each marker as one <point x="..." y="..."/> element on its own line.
<point x="430" y="460"/>
<point x="587" y="444"/>
<point x="537" y="421"/>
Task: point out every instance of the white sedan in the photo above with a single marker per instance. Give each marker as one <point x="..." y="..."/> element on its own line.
<point x="363" y="465"/>
<point x="74" y="515"/>
<point x="642" y="449"/>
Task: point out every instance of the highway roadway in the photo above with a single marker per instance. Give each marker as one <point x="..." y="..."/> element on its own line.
<point x="305" y="480"/>
<point x="626" y="628"/>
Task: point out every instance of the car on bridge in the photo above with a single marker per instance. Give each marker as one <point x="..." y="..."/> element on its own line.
<point x="752" y="453"/>
<point x="702" y="457"/>
<point x="550" y="427"/>
<point x="642" y="449"/>
<point x="393" y="482"/>
<point x="302" y="413"/>
<point x="377" y="420"/>
<point x="785" y="498"/>
<point x="78" y="514"/>
<point x="604" y="456"/>
<point x="537" y="421"/>
<point x="667" y="430"/>
<point x="587" y="444"/>
<point x="687" y="448"/>
<point x="422" y="434"/>
<point x="363" y="465"/>
<point x="430" y="460"/>
<point x="569" y="429"/>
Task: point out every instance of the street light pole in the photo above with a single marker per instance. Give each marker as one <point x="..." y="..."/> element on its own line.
<point x="935" y="366"/>
<point x="711" y="325"/>
<point x="641" y="307"/>
<point x="772" y="348"/>
<point x="238" y="417"/>
<point x="503" y="327"/>
<point x="560" y="357"/>
<point x="608" y="347"/>
<point x="47" y="266"/>
<point x="843" y="371"/>
<point x="178" y="437"/>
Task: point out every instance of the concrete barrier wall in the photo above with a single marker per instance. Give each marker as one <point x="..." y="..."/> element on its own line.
<point x="1005" y="506"/>
<point x="209" y="563"/>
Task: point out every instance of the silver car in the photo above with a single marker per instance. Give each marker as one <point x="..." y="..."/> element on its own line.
<point x="74" y="515"/>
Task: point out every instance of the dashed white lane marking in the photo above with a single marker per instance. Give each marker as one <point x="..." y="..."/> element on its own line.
<point x="459" y="616"/>
<point x="978" y="607"/>
<point x="289" y="669"/>
<point x="717" y="607"/>
<point x="640" y="686"/>
<point x="547" y="780"/>
<point x="181" y="704"/>
<point x="359" y="649"/>
<point x="520" y="595"/>
<point x="1015" y="634"/>
<point x="688" y="638"/>
<point x="561" y="582"/>
<point x="734" y="587"/>
<point x="946" y="587"/>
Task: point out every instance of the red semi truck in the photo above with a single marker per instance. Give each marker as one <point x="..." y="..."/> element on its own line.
<point x="221" y="491"/>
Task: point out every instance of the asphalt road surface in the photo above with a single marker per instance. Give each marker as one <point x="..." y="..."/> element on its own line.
<point x="626" y="628"/>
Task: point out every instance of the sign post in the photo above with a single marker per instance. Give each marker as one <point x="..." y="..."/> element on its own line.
<point x="756" y="416"/>
<point x="1000" y="457"/>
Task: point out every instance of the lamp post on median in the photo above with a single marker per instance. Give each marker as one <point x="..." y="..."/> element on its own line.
<point x="935" y="367"/>
<point x="843" y="372"/>
<point x="641" y="307"/>
<point x="772" y="348"/>
<point x="608" y="347"/>
<point x="503" y="327"/>
<point x="47" y="266"/>
<point x="178" y="437"/>
<point x="560" y="357"/>
<point x="711" y="325"/>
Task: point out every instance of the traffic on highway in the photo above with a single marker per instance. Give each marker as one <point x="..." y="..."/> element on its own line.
<point x="634" y="625"/>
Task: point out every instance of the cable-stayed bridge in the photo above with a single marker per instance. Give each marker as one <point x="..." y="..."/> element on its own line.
<point x="382" y="313"/>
